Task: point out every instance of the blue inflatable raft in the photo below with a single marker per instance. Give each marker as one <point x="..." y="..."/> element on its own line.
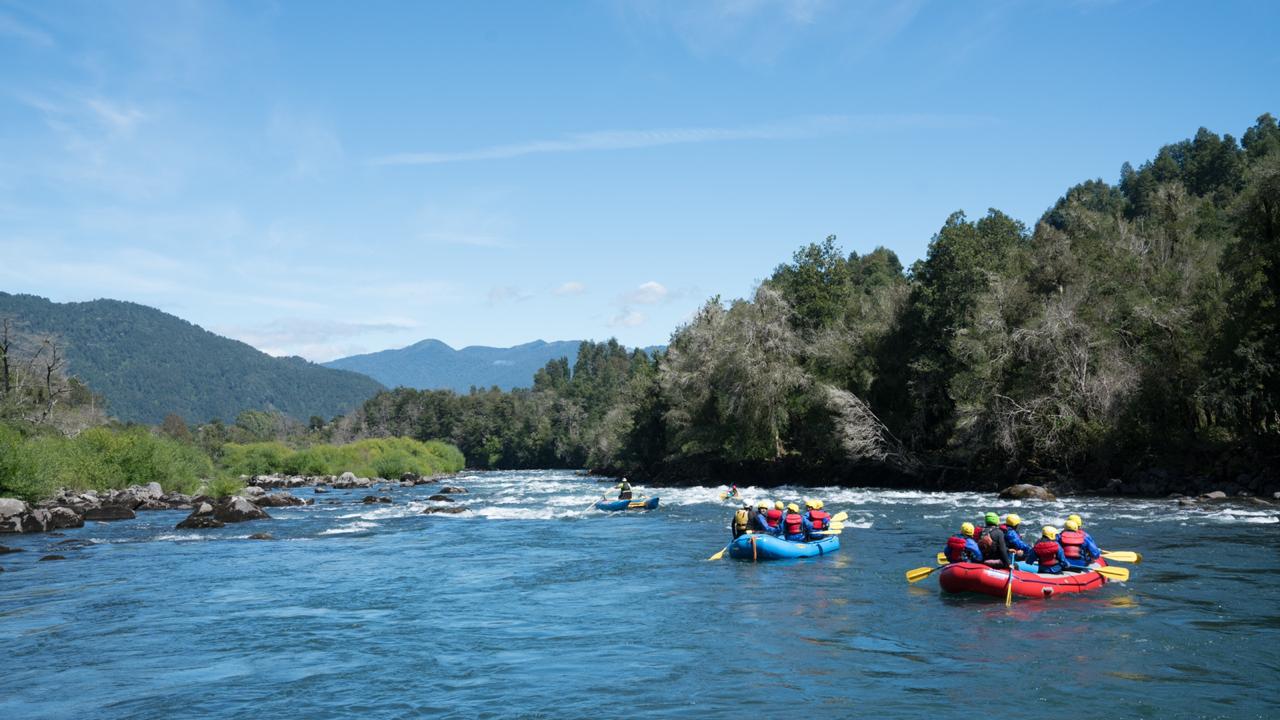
<point x="758" y="546"/>
<point x="634" y="504"/>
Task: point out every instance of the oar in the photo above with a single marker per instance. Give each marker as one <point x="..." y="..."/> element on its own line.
<point x="1124" y="556"/>
<point x="594" y="501"/>
<point x="720" y="554"/>
<point x="920" y="573"/>
<point x="942" y="559"/>
<point x="840" y="517"/>
<point x="1114" y="573"/>
<point x="1008" y="591"/>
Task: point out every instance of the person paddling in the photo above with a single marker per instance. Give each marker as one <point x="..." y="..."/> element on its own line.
<point x="1012" y="538"/>
<point x="962" y="547"/>
<point x="995" y="550"/>
<point x="1088" y="539"/>
<point x="1077" y="547"/>
<point x="624" y="490"/>
<point x="794" y="526"/>
<point x="742" y="520"/>
<point x="1047" y="553"/>
<point x="820" y="519"/>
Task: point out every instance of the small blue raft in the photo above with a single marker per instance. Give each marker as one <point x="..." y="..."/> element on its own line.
<point x="758" y="546"/>
<point x="645" y="504"/>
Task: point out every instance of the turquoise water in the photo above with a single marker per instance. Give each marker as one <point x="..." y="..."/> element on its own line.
<point x="531" y="606"/>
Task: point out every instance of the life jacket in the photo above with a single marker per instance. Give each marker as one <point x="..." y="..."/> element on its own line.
<point x="1072" y="542"/>
<point x="773" y="517"/>
<point x="956" y="549"/>
<point x="741" y="521"/>
<point x="1047" y="552"/>
<point x="819" y="519"/>
<point x="793" y="524"/>
<point x="1004" y="528"/>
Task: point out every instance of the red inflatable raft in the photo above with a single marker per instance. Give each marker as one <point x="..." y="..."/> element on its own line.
<point x="977" y="578"/>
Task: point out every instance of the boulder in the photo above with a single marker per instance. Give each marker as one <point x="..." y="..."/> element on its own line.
<point x="410" y="477"/>
<point x="279" y="499"/>
<point x="370" y="499"/>
<point x="64" y="517"/>
<point x="204" y="508"/>
<point x="252" y="492"/>
<point x="150" y="491"/>
<point x="320" y="490"/>
<point x="176" y="500"/>
<point x="110" y="512"/>
<point x="237" y="509"/>
<point x="346" y="480"/>
<point x="12" y="511"/>
<point x="1215" y="495"/>
<point x="262" y="536"/>
<point x="52" y="557"/>
<point x="36" y="520"/>
<point x="1026" y="492"/>
<point x="453" y="490"/>
<point x="6" y="550"/>
<point x="440" y="498"/>
<point x="199" y="522"/>
<point x="446" y="509"/>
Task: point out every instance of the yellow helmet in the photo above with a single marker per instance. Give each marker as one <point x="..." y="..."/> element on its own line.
<point x="1012" y="520"/>
<point x="1075" y="517"/>
<point x="811" y="504"/>
<point x="966" y="529"/>
<point x="817" y="504"/>
<point x="1050" y="532"/>
<point x="779" y="505"/>
<point x="763" y="504"/>
<point x="793" y="507"/>
<point x="1071" y="524"/>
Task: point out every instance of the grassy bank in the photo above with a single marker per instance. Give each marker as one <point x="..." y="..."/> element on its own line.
<point x="34" y="465"/>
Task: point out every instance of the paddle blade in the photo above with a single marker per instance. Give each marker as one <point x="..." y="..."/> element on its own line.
<point x="840" y="517"/>
<point x="1124" y="556"/>
<point x="919" y="574"/>
<point x="836" y="526"/>
<point x="720" y="554"/>
<point x="1008" y="591"/>
<point x="942" y="558"/>
<point x="1113" y="573"/>
<point x="835" y="531"/>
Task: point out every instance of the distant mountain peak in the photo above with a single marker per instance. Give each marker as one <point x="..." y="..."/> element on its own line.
<point x="432" y="364"/>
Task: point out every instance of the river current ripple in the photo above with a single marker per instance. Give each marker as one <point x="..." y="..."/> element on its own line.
<point x="529" y="605"/>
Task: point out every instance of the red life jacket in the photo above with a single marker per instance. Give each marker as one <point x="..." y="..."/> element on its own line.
<point x="956" y="548"/>
<point x="794" y="524"/>
<point x="1047" y="552"/>
<point x="1072" y="542"/>
<point x="773" y="517"/>
<point x="819" y="519"/>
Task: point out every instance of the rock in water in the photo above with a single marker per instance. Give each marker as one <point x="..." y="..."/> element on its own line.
<point x="199" y="522"/>
<point x="1026" y="492"/>
<point x="447" y="509"/>
<point x="278" y="499"/>
<point x="440" y="498"/>
<point x="262" y="536"/>
<point x="51" y="557"/>
<point x="453" y="489"/>
<point x="237" y="509"/>
<point x="12" y="511"/>
<point x="370" y="499"/>
<point x="64" y="517"/>
<point x="6" y="550"/>
<point x="109" y="512"/>
<point x="1215" y="495"/>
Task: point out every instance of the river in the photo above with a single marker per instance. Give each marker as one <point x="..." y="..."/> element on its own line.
<point x="530" y="605"/>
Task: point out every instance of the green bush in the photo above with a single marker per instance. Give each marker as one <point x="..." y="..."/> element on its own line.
<point x="101" y="458"/>
<point x="222" y="486"/>
<point x="376" y="457"/>
<point x="260" y="458"/>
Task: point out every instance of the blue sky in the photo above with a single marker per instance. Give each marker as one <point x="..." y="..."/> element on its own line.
<point x="329" y="178"/>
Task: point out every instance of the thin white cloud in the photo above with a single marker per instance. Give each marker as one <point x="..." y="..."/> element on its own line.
<point x="117" y="117"/>
<point x="649" y="293"/>
<point x="628" y="319"/>
<point x="792" y="129"/>
<point x="12" y="27"/>
<point x="572" y="287"/>
<point x="499" y="294"/>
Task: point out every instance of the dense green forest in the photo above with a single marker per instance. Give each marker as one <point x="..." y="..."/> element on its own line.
<point x="1133" y="327"/>
<point x="148" y="364"/>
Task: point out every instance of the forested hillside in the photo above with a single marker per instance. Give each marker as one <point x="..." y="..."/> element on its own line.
<point x="148" y="364"/>
<point x="1131" y="333"/>
<point x="431" y="364"/>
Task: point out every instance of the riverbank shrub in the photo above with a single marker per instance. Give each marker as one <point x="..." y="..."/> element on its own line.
<point x="375" y="457"/>
<point x="33" y="465"/>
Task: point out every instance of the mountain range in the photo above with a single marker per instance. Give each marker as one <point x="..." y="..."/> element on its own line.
<point x="432" y="364"/>
<point x="148" y="363"/>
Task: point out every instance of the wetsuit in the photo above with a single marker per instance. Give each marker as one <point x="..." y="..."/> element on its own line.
<point x="996" y="550"/>
<point x="1014" y="541"/>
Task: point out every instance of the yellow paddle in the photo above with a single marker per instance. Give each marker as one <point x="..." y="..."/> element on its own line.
<point x="1008" y="591"/>
<point x="720" y="554"/>
<point x="1124" y="556"/>
<point x="942" y="559"/>
<point x="920" y="573"/>
<point x="1113" y="573"/>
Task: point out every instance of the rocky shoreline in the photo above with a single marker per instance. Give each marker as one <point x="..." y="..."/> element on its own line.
<point x="72" y="509"/>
